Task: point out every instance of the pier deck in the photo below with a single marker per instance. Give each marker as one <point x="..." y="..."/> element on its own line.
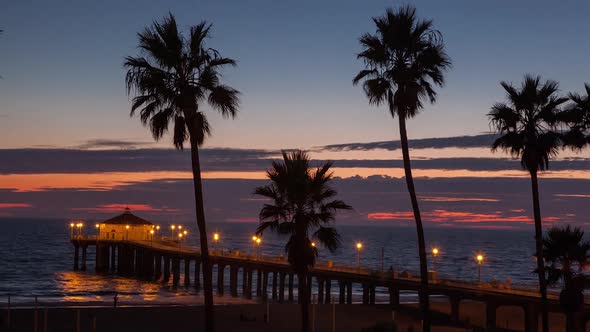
<point x="161" y="259"/>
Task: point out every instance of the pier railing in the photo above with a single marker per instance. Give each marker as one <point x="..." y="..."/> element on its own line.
<point x="171" y="245"/>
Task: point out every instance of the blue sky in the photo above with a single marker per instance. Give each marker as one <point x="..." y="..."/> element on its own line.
<point x="62" y="86"/>
<point x="61" y="63"/>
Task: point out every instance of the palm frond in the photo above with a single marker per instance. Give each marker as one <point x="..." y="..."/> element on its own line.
<point x="404" y="62"/>
<point x="328" y="237"/>
<point x="173" y="76"/>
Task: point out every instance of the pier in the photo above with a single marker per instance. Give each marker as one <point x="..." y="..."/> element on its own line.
<point x="166" y="260"/>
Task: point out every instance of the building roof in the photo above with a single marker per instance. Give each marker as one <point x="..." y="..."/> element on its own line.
<point x="127" y="218"/>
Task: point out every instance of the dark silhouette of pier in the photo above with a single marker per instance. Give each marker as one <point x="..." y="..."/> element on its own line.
<point x="161" y="259"/>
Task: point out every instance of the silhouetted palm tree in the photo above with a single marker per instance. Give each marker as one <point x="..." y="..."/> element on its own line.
<point x="525" y="124"/>
<point x="303" y="207"/>
<point x="171" y="80"/>
<point x="577" y="121"/>
<point x="567" y="253"/>
<point x="404" y="61"/>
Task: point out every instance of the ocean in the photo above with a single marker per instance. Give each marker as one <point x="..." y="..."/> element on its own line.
<point x="36" y="259"/>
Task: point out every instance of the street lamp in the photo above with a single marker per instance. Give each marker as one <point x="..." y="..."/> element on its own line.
<point x="97" y="231"/>
<point x="359" y="246"/>
<point x="79" y="225"/>
<point x="254" y="238"/>
<point x="151" y="237"/>
<point x="172" y="228"/>
<point x="126" y="232"/>
<point x="258" y="240"/>
<point x="179" y="242"/>
<point x="71" y="230"/>
<point x="479" y="258"/>
<point x="434" y="255"/>
<point x="215" y="239"/>
<point x="313" y="244"/>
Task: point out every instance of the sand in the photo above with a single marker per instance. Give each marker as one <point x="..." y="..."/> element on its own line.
<point x="244" y="318"/>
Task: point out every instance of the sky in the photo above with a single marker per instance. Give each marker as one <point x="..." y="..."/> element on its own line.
<point x="69" y="149"/>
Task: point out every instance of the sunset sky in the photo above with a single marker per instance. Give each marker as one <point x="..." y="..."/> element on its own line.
<point x="68" y="148"/>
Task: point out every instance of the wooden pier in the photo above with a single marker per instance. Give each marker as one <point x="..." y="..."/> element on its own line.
<point x="164" y="259"/>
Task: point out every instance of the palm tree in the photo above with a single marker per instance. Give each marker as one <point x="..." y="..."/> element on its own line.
<point x="171" y="80"/>
<point x="404" y="60"/>
<point x="303" y="207"/>
<point x="567" y="253"/>
<point x="577" y="121"/>
<point x="525" y="124"/>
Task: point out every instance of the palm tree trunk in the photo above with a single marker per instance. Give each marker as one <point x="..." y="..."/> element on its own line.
<point x="207" y="273"/>
<point x="424" y="300"/>
<point x="302" y="289"/>
<point x="570" y="319"/>
<point x="539" y="249"/>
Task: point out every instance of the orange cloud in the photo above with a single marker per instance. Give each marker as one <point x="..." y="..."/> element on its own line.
<point x="14" y="205"/>
<point x="456" y="199"/>
<point x="391" y="216"/>
<point x="573" y="195"/>
<point x="447" y="218"/>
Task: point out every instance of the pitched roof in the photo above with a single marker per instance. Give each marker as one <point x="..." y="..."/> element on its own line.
<point x="127" y="218"/>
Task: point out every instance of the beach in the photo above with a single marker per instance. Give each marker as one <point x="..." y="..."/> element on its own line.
<point x="249" y="317"/>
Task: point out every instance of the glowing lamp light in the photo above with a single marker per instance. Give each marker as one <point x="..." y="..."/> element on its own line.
<point x="72" y="225"/>
<point x="172" y="227"/>
<point x="185" y="232"/>
<point x="313" y="244"/>
<point x="179" y="235"/>
<point x="435" y="251"/>
<point x="258" y="240"/>
<point x="179" y="226"/>
<point x="254" y="238"/>
<point x="158" y="227"/>
<point x="359" y="245"/>
<point x="152" y="231"/>
<point x="126" y="226"/>
<point x="479" y="258"/>
<point x="215" y="236"/>
<point x="97" y="225"/>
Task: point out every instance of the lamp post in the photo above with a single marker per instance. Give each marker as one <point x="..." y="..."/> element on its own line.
<point x="151" y="237"/>
<point x="158" y="230"/>
<point x="179" y="242"/>
<point x="97" y="231"/>
<point x="172" y="228"/>
<point x="434" y="255"/>
<point x="258" y="241"/>
<point x="254" y="238"/>
<point x="79" y="225"/>
<point x="215" y="240"/>
<point x="71" y="230"/>
<point x="359" y="246"/>
<point x="479" y="258"/>
<point x="126" y="232"/>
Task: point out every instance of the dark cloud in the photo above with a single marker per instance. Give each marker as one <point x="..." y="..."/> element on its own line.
<point x="26" y="161"/>
<point x="112" y="144"/>
<point x="477" y="141"/>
